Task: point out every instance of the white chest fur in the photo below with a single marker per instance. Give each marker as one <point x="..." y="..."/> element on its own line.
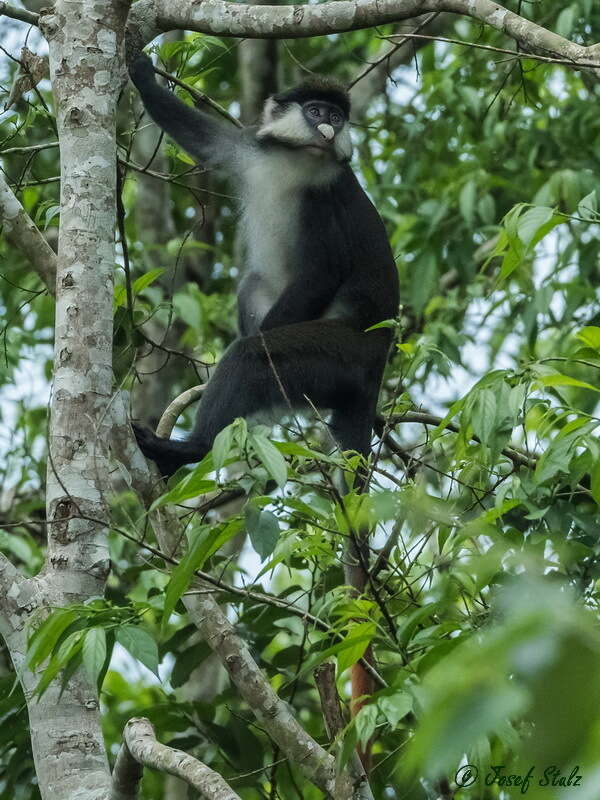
<point x="272" y="196"/>
<point x="271" y="206"/>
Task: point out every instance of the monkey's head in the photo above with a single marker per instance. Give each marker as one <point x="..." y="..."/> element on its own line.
<point x="313" y="117"/>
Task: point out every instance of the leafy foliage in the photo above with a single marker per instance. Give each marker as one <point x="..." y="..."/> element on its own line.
<point x="483" y="601"/>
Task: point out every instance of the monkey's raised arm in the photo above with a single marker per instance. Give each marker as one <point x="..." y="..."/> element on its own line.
<point x="208" y="140"/>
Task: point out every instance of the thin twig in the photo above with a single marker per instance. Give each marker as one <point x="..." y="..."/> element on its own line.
<point x="516" y="53"/>
<point x="200" y="97"/>
<point x="405" y="38"/>
<point x="29" y="149"/>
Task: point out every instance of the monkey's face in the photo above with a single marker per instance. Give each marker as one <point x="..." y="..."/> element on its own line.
<point x="317" y="126"/>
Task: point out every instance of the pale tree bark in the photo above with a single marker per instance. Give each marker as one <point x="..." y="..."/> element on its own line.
<point x="20" y="232"/>
<point x="21" y="14"/>
<point x="85" y="41"/>
<point x="140" y="747"/>
<point x="86" y="69"/>
<point x="149" y="18"/>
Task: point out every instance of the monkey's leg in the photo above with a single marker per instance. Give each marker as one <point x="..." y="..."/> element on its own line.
<point x="352" y="423"/>
<point x="326" y="361"/>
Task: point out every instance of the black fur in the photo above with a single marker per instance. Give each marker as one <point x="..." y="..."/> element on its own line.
<point x="341" y="256"/>
<point x="317" y="88"/>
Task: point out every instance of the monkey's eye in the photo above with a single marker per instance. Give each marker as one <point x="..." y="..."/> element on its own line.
<point x="335" y="118"/>
<point x="314" y="111"/>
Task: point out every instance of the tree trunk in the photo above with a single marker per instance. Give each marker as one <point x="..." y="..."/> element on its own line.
<point x="85" y="42"/>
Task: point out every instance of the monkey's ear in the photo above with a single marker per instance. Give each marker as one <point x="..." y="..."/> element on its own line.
<point x="271" y="110"/>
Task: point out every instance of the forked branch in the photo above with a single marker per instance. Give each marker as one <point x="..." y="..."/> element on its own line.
<point x="140" y="749"/>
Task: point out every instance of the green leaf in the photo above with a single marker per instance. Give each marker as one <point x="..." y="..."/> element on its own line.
<point x="43" y="640"/>
<point x="94" y="652"/>
<point x="263" y="530"/>
<point x="295" y="449"/>
<point x="396" y="706"/>
<point x="147" y="279"/>
<point x="565" y="21"/>
<point x="475" y="527"/>
<point x="416" y="618"/>
<point x="513" y="258"/>
<point x="532" y="221"/>
<point x="16" y="545"/>
<point x="354" y="645"/>
<point x="270" y="457"/>
<point x="555" y="458"/>
<point x="222" y="446"/>
<point x="189" y="309"/>
<point x="565" y="380"/>
<point x="386" y="323"/>
<point x="51" y="212"/>
<point x="348" y="744"/>
<point x="466" y="202"/>
<point x="204" y="543"/>
<point x="140" y="644"/>
<point x="595" y="482"/>
<point x="590" y="335"/>
<point x="366" y="722"/>
<point x="182" y="574"/>
<point x="487" y="209"/>
<point x="190" y="486"/>
<point x="420" y="290"/>
<point x="120" y="295"/>
<point x="68" y="649"/>
<point x="483" y="414"/>
<point x="588" y="207"/>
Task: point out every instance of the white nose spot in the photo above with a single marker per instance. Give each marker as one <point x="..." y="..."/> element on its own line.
<point x="326" y="131"/>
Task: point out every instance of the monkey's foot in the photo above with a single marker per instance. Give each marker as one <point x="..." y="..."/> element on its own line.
<point x="167" y="454"/>
<point x="156" y="449"/>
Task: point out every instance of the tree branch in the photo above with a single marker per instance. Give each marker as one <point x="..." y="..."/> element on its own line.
<point x="140" y="747"/>
<point x="426" y="38"/>
<point x="149" y="18"/>
<point x="7" y="10"/>
<point x="330" y="700"/>
<point x="17" y="595"/>
<point x="353" y="782"/>
<point x="200" y="97"/>
<point x="385" y="58"/>
<point x="516" y="456"/>
<point x="176" y="408"/>
<point x="21" y="232"/>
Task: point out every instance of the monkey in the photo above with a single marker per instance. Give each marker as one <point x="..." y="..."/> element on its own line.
<point x="319" y="269"/>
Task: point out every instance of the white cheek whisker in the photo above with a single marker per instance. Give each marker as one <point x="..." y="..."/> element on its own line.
<point x="290" y="127"/>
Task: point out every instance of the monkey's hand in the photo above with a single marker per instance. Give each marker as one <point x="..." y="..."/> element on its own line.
<point x="141" y="71"/>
